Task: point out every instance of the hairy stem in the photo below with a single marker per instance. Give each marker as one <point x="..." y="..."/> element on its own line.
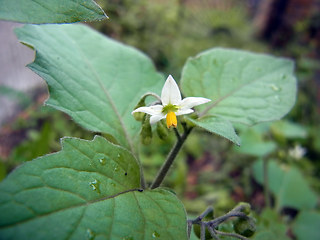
<point x="170" y="159"/>
<point x="142" y="179"/>
<point x="202" y="231"/>
<point x="205" y="213"/>
<point x="235" y="235"/>
<point x="213" y="234"/>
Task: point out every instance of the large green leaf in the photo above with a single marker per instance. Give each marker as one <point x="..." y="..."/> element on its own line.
<point x="44" y="11"/>
<point x="288" y="185"/>
<point x="89" y="190"/>
<point x="94" y="79"/>
<point x="218" y="126"/>
<point x="244" y="87"/>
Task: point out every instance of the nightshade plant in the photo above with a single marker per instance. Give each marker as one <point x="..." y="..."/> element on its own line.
<point x="96" y="189"/>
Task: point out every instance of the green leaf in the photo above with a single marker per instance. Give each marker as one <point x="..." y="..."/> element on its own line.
<point x="275" y="175"/>
<point x="57" y="11"/>
<point x="94" y="79"/>
<point x="270" y="226"/>
<point x="289" y="186"/>
<point x="254" y="144"/>
<point x="296" y="192"/>
<point x="288" y="130"/>
<point x="3" y="170"/>
<point x="218" y="126"/>
<point x="306" y="226"/>
<point x="89" y="190"/>
<point x="245" y="87"/>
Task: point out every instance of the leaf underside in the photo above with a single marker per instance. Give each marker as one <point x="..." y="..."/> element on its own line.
<point x="89" y="190"/>
<point x="218" y="126"/>
<point x="43" y="11"/>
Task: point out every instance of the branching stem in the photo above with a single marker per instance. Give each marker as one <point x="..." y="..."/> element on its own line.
<point x="235" y="235"/>
<point x="213" y="224"/>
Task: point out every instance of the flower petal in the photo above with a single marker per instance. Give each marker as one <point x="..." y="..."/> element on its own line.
<point x="184" y="111"/>
<point x="170" y="92"/>
<point x="190" y="102"/>
<point x="156" y="118"/>
<point x="152" y="110"/>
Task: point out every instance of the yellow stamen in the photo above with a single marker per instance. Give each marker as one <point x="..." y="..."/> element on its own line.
<point x="171" y="120"/>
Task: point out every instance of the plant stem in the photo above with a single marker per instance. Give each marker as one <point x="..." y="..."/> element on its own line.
<point x="209" y="210"/>
<point x="202" y="231"/>
<point x="232" y="235"/>
<point x="142" y="179"/>
<point x="266" y="182"/>
<point x="177" y="133"/>
<point x="213" y="234"/>
<point x="172" y="155"/>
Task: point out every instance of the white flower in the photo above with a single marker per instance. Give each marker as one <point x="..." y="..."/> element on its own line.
<point x="297" y="152"/>
<point x="172" y="104"/>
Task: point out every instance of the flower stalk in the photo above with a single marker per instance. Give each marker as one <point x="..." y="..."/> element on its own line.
<point x="170" y="159"/>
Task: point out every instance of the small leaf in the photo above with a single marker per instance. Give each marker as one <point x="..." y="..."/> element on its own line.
<point x="288" y="130"/>
<point x="289" y="186"/>
<point x="57" y="11"/>
<point x="89" y="189"/>
<point x="218" y="126"/>
<point x="254" y="144"/>
<point x="270" y="226"/>
<point x="296" y="192"/>
<point x="244" y="87"/>
<point x="306" y="226"/>
<point x="94" y="79"/>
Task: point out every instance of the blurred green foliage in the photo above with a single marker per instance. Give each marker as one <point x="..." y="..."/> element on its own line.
<point x="170" y="31"/>
<point x="42" y="130"/>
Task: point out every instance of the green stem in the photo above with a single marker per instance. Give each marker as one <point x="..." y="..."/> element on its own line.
<point x="177" y="134"/>
<point x="266" y="182"/>
<point x="170" y="159"/>
<point x="142" y="179"/>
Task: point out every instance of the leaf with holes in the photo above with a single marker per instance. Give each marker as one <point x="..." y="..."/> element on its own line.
<point x="244" y="87"/>
<point x="94" y="79"/>
<point x="88" y="190"/>
<point x="43" y="11"/>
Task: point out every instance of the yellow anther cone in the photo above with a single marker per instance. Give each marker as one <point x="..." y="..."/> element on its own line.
<point x="171" y="119"/>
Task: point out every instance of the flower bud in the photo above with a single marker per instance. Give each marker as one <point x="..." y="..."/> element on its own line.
<point x="146" y="131"/>
<point x="244" y="207"/>
<point x="244" y="227"/>
<point x="188" y="119"/>
<point x="140" y="115"/>
<point x="162" y="130"/>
